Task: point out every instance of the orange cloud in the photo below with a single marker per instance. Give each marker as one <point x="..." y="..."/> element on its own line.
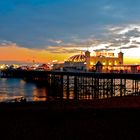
<point x="17" y="53"/>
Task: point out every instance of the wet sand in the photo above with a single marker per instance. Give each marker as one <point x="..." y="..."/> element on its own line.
<point x="59" y="121"/>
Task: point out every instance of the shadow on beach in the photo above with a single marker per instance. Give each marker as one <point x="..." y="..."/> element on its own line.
<point x="33" y="121"/>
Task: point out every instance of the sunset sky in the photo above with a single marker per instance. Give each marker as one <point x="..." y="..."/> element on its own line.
<point x="47" y="30"/>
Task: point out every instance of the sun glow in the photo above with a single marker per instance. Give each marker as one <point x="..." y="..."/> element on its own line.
<point x="18" y="53"/>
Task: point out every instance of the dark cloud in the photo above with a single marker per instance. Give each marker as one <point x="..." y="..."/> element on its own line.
<point x="136" y="42"/>
<point x="130" y="47"/>
<point x="62" y="50"/>
<point x="135" y="33"/>
<point x="120" y="41"/>
<point x="104" y="49"/>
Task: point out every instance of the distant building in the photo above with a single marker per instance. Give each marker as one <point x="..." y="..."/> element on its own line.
<point x="43" y="67"/>
<point x="58" y="66"/>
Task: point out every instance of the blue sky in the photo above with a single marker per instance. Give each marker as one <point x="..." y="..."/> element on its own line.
<point x="47" y="24"/>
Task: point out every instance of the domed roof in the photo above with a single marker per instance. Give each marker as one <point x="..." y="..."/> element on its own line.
<point x="77" y="58"/>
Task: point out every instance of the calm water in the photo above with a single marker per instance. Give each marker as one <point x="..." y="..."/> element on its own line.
<point x="11" y="88"/>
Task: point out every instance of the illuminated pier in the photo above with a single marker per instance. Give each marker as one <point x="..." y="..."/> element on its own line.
<point x="83" y="85"/>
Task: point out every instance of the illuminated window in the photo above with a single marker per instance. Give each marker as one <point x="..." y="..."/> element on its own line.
<point x="115" y="63"/>
<point x="91" y="63"/>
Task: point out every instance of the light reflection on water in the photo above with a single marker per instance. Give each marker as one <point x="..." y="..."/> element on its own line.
<point x="12" y="88"/>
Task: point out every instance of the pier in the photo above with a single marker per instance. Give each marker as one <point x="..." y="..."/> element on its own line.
<point x="82" y="85"/>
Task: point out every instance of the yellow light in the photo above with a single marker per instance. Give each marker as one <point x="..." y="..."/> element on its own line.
<point x="2" y="67"/>
<point x="110" y="63"/>
<point x="54" y="61"/>
<point x="104" y="63"/>
<point x="91" y="63"/>
<point x="115" y="63"/>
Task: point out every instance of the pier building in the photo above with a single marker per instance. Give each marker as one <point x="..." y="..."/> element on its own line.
<point x="88" y="62"/>
<point x="76" y="62"/>
<point x="99" y="62"/>
<point x="105" y="58"/>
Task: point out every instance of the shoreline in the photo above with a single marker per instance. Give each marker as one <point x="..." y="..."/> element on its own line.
<point x="125" y="102"/>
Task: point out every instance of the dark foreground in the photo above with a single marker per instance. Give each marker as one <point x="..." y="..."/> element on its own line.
<point x="46" y="121"/>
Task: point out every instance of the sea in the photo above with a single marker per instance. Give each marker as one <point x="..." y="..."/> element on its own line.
<point x="13" y="89"/>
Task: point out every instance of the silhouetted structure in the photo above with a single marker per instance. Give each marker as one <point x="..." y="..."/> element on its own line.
<point x="83" y="85"/>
